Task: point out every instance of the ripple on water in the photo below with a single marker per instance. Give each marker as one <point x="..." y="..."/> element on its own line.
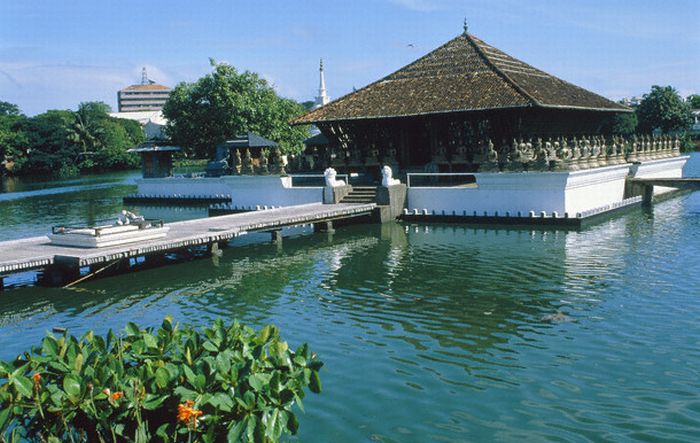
<point x="447" y="333"/>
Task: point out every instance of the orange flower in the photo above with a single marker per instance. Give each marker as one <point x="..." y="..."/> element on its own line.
<point x="187" y="414"/>
<point x="37" y="378"/>
<point x="116" y="396"/>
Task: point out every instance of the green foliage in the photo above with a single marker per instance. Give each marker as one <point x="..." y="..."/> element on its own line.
<point x="621" y="124"/>
<point x="49" y="145"/>
<point x="168" y="384"/>
<point x="693" y="101"/>
<point x="12" y="138"/>
<point x="8" y="109"/>
<point x="663" y="108"/>
<point x="64" y="143"/>
<point x="225" y="103"/>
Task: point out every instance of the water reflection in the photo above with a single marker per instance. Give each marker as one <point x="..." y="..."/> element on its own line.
<point x="440" y="333"/>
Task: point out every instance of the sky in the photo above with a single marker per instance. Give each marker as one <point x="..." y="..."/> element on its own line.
<point x="55" y="54"/>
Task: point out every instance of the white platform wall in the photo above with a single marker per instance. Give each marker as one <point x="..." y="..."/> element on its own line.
<point x="245" y="191"/>
<point x="563" y="192"/>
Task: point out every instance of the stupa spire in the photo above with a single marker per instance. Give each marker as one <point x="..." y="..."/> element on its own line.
<point x="322" y="97"/>
<point x="144" y="76"/>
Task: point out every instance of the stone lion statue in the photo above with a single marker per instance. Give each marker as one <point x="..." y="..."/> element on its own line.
<point x="386" y="177"/>
<point x="331" y="182"/>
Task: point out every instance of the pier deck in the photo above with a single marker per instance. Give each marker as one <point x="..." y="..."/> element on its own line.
<point x="647" y="185"/>
<point x="37" y="253"/>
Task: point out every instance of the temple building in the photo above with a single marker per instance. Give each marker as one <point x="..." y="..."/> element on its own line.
<point x="448" y="109"/>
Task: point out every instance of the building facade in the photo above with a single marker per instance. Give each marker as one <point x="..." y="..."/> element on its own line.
<point x="147" y="96"/>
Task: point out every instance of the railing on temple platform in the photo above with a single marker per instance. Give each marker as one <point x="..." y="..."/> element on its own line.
<point x="532" y="154"/>
<point x="440" y="179"/>
<point x="314" y="180"/>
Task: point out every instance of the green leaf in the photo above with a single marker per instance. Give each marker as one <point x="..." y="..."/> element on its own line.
<point x="222" y="402"/>
<point x="162" y="377"/>
<point x="209" y="346"/>
<point x="236" y="431"/>
<point x="71" y="385"/>
<point x="189" y="375"/>
<point x="152" y="402"/>
<point x="258" y="381"/>
<point x="132" y="329"/>
<point x="271" y="425"/>
<point x="163" y="432"/>
<point x="184" y="393"/>
<point x="315" y="382"/>
<point x="265" y="334"/>
<point x="167" y="324"/>
<point x="293" y="423"/>
<point x="150" y="341"/>
<point x="200" y="381"/>
<point x="49" y="346"/>
<point x="78" y="363"/>
<point x="23" y="384"/>
<point x="4" y="419"/>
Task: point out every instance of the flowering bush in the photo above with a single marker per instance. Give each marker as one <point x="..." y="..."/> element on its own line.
<point x="172" y="384"/>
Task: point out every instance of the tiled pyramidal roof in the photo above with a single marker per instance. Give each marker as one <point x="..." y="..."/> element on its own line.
<point x="464" y="74"/>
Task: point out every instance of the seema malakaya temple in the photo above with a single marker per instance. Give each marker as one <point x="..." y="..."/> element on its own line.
<point x="472" y="134"/>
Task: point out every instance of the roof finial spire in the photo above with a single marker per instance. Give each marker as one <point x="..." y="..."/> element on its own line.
<point x="465" y="26"/>
<point x="144" y="76"/>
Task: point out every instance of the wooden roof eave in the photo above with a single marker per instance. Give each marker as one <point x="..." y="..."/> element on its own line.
<point x="450" y="111"/>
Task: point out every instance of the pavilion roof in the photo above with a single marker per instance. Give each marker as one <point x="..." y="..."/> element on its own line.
<point x="464" y="74"/>
<point x="250" y="140"/>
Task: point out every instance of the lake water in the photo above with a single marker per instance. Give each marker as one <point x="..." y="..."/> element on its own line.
<point x="429" y="332"/>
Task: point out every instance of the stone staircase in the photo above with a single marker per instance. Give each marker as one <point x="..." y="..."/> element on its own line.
<point x="361" y="194"/>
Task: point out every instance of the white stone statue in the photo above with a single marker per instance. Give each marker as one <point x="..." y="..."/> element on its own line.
<point x="128" y="217"/>
<point x="386" y="177"/>
<point x="331" y="182"/>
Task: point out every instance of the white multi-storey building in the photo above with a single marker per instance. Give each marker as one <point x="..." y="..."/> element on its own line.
<point x="147" y="96"/>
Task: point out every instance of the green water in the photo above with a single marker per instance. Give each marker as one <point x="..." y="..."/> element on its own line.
<point x="430" y="332"/>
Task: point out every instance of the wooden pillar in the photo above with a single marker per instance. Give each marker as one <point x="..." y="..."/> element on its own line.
<point x="647" y="195"/>
<point x="276" y="236"/>
<point x="59" y="274"/>
<point x="324" y="226"/>
<point x="157" y="259"/>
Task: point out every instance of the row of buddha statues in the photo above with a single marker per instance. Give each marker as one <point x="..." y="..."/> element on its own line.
<point x="538" y="154"/>
<point x="268" y="162"/>
<point x="568" y="154"/>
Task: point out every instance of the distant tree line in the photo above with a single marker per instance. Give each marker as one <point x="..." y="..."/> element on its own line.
<point x="64" y="143"/>
<point x="661" y="110"/>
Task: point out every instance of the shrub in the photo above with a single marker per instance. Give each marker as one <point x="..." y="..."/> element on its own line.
<point x="172" y="384"/>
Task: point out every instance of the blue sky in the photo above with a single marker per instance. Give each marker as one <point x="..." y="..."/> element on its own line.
<point x="55" y="54"/>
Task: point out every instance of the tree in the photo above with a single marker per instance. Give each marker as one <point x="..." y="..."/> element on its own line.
<point x="693" y="101"/>
<point x="663" y="108"/>
<point x="115" y="140"/>
<point x="9" y="109"/>
<point x="225" y="103"/>
<point x="49" y="146"/>
<point x="624" y="124"/>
